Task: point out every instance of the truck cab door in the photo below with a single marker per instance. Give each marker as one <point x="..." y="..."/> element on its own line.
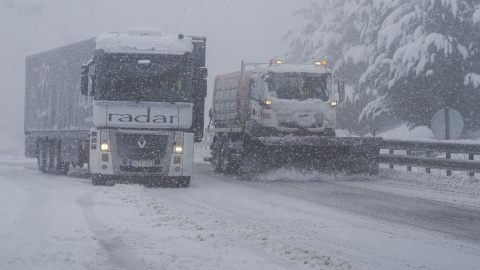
<point x="339" y="90"/>
<point x="255" y="101"/>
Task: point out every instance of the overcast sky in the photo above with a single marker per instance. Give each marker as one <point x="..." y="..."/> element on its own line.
<point x="235" y="30"/>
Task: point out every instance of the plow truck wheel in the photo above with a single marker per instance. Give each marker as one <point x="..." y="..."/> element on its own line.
<point x="215" y="152"/>
<point x="226" y="162"/>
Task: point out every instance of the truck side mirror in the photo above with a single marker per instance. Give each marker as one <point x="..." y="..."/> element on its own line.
<point x="201" y="73"/>
<point x="84" y="80"/>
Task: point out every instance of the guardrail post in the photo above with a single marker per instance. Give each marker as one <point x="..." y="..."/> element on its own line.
<point x="390" y="151"/>
<point x="471" y="157"/>
<point x="449" y="156"/>
<point x="447" y="123"/>
<point x="409" y="152"/>
<point x="427" y="154"/>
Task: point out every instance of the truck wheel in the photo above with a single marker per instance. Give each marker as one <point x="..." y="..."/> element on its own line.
<point x="222" y="157"/>
<point x="49" y="149"/>
<point x="59" y="166"/>
<point x="99" y="180"/>
<point x="227" y="165"/>
<point x="216" y="148"/>
<point x="183" y="182"/>
<point x="41" y="156"/>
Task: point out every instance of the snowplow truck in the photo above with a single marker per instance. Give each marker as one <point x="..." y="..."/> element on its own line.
<point x="279" y="115"/>
<point x="130" y="105"/>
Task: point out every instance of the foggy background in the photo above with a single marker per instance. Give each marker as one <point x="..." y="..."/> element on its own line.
<point x="235" y="30"/>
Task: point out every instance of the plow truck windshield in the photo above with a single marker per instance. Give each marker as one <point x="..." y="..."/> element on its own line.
<point x="299" y="86"/>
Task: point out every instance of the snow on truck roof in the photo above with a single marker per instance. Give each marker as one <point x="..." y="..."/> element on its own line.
<point x="291" y="68"/>
<point x="144" y="39"/>
<point x="277" y="68"/>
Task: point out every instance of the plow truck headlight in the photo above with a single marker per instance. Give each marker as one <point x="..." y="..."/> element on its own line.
<point x="178" y="149"/>
<point x="104" y="146"/>
<point x="334" y="103"/>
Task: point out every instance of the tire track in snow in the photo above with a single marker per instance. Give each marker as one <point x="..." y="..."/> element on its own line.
<point x="248" y="228"/>
<point x="116" y="250"/>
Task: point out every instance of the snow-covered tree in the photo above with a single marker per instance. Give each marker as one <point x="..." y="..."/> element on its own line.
<point x="402" y="60"/>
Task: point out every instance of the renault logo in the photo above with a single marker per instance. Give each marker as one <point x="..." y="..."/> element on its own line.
<point x="141" y="142"/>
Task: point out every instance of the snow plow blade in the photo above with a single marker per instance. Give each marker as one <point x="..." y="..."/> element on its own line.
<point x="348" y="154"/>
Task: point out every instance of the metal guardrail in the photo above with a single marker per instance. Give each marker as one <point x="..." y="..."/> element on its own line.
<point x="425" y="154"/>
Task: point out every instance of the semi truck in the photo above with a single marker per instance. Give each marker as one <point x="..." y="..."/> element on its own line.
<point x="130" y="105"/>
<point x="272" y="115"/>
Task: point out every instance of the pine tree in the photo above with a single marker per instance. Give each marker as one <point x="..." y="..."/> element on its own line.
<point x="401" y="60"/>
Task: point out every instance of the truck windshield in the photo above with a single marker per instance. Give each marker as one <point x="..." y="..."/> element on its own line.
<point x="300" y="86"/>
<point x="144" y="77"/>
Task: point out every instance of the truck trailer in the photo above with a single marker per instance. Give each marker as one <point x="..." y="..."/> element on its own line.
<point x="130" y="105"/>
<point x="279" y="115"/>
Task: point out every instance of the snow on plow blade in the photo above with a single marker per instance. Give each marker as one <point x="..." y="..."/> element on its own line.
<point x="348" y="154"/>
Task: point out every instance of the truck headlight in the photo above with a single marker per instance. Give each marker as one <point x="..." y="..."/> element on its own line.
<point x="178" y="147"/>
<point x="334" y="103"/>
<point x="104" y="146"/>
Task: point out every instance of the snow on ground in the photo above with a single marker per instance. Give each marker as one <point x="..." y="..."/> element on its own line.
<point x="403" y="131"/>
<point x="286" y="219"/>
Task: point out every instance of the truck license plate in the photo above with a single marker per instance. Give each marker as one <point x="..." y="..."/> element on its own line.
<point x="141" y="163"/>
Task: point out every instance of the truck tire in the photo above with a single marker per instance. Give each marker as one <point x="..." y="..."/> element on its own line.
<point x="59" y="166"/>
<point x="183" y="182"/>
<point x="99" y="180"/>
<point x="215" y="152"/>
<point x="226" y="163"/>
<point x="222" y="157"/>
<point x="41" y="156"/>
<point x="50" y="152"/>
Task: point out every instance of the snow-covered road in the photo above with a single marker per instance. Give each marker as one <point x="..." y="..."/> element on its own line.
<point x="281" y="220"/>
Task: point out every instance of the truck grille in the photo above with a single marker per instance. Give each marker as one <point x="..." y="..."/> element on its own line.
<point x="141" y="146"/>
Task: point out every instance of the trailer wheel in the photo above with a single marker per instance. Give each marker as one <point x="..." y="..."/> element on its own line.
<point x="59" y="166"/>
<point x="50" y="152"/>
<point x="41" y="156"/>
